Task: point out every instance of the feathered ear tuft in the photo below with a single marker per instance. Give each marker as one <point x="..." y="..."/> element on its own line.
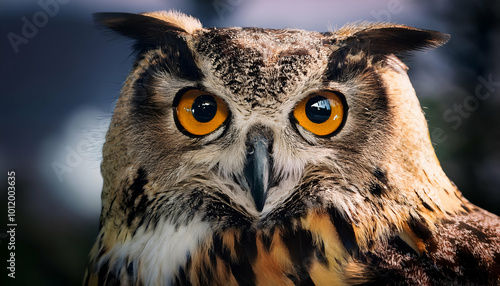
<point x="384" y="38"/>
<point x="149" y="28"/>
<point x="165" y="29"/>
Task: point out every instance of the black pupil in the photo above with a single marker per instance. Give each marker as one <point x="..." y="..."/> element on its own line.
<point x="318" y="109"/>
<point x="204" y="108"/>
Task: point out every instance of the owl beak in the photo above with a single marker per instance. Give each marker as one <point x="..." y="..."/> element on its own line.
<point x="258" y="168"/>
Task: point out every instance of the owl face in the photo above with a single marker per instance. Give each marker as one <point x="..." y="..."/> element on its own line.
<point x="255" y="110"/>
<point x="311" y="102"/>
<point x="255" y="132"/>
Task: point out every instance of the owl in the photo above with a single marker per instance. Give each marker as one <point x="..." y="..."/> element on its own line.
<point x="250" y="156"/>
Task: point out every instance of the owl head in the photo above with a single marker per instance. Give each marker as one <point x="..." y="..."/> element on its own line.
<point x="239" y="136"/>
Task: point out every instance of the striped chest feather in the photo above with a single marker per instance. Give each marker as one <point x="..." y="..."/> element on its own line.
<point x="309" y="252"/>
<point x="319" y="248"/>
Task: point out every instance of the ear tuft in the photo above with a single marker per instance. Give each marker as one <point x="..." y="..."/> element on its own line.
<point x="151" y="27"/>
<point x="185" y="22"/>
<point x="384" y="38"/>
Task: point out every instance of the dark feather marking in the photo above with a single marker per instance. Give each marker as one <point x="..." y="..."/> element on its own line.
<point x="347" y="189"/>
<point x="246" y="251"/>
<point x="341" y="69"/>
<point x="465" y="207"/>
<point x="380" y="175"/>
<point x="266" y="241"/>
<point x="419" y="228"/>
<point x="109" y="210"/>
<point x="300" y="246"/>
<point x="480" y="235"/>
<point x="144" y="219"/>
<point x="131" y="273"/>
<point x="375" y="189"/>
<point x="142" y="206"/>
<point x="101" y="248"/>
<point x="465" y="257"/>
<point x="248" y="244"/>
<point x="180" y="61"/>
<point x="106" y="276"/>
<point x="370" y="243"/>
<point x="296" y="52"/>
<point x="293" y="208"/>
<point x="321" y="254"/>
<point x="426" y="205"/>
<point x="217" y="250"/>
<point x="241" y="269"/>
<point x="402" y="247"/>
<point x="143" y="107"/>
<point x="495" y="272"/>
<point x="195" y="203"/>
<point x="113" y="279"/>
<point x="182" y="278"/>
<point x="380" y="103"/>
<point x="306" y="282"/>
<point x="86" y="281"/>
<point x="219" y="210"/>
<point x="135" y="191"/>
<point x="207" y="272"/>
<point x="163" y="206"/>
<point x="344" y="229"/>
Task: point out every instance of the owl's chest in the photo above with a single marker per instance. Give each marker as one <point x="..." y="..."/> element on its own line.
<point x="308" y="251"/>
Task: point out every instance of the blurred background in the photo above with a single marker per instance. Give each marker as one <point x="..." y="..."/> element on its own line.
<point x="60" y="77"/>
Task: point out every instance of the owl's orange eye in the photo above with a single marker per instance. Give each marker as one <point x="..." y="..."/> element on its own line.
<point x="198" y="112"/>
<point x="322" y="112"/>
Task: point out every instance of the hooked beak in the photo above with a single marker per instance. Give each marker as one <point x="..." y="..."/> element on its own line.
<point x="258" y="168"/>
